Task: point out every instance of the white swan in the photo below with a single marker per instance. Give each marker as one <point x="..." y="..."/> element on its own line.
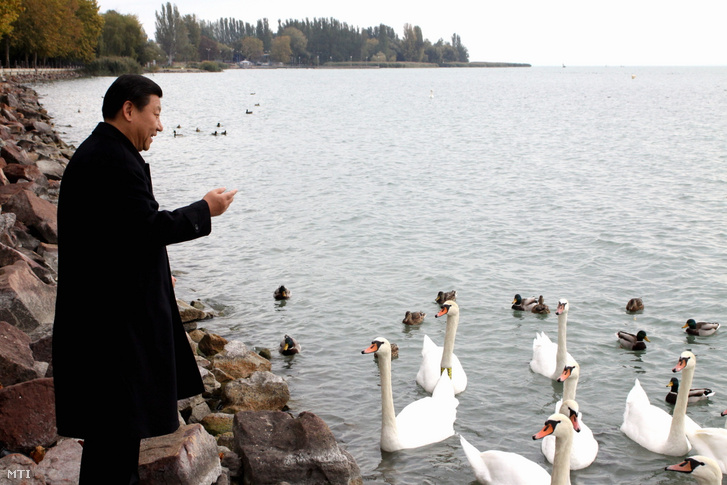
<point x="494" y="467"/>
<point x="703" y="468"/>
<point x="585" y="446"/>
<point x="436" y="359"/>
<point x="562" y="427"/>
<point x="549" y="358"/>
<point x="711" y="442"/>
<point x="428" y="420"/>
<point x="652" y="427"/>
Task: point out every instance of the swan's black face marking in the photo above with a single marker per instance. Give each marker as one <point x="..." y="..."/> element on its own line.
<point x="567" y="371"/>
<point x="443" y="311"/>
<point x="374" y="347"/>
<point x="682" y="364"/>
<point x="573" y="415"/>
<point x="687" y="466"/>
<point x="548" y="429"/>
<point x="561" y="307"/>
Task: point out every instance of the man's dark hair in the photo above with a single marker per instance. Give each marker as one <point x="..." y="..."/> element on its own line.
<point x="128" y="87"/>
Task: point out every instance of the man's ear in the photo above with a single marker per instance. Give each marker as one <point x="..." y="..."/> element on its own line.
<point x="127" y="109"/>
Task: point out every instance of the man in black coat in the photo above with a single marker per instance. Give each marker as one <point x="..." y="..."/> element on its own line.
<point x="121" y="358"/>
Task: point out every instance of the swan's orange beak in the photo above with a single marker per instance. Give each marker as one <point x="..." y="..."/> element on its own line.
<point x="567" y="371"/>
<point x="548" y="429"/>
<point x="576" y="423"/>
<point x="681" y="364"/>
<point x="443" y="311"/>
<point x="687" y="466"/>
<point x="724" y="413"/>
<point x="372" y="348"/>
<point x="560" y="309"/>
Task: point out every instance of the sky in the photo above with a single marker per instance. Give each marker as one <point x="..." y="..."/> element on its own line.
<point x="538" y="32"/>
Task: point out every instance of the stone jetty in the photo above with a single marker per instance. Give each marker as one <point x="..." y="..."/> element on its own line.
<point x="239" y="430"/>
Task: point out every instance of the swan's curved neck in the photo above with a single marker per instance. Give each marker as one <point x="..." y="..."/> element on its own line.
<point x="451" y="333"/>
<point x="569" y="387"/>
<point x="560" y="355"/>
<point x="389" y="432"/>
<point x="561" y="460"/>
<point x="677" y="433"/>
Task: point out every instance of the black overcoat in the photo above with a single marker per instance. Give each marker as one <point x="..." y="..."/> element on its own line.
<point x="120" y="354"/>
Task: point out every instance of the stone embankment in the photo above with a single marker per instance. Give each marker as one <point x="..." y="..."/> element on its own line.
<point x="237" y="431"/>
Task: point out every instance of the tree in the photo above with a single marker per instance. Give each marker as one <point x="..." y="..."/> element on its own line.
<point x="298" y="41"/>
<point x="412" y="45"/>
<point x="47" y="28"/>
<point x="171" y="33"/>
<point x="194" y="36"/>
<point x="10" y="10"/>
<point x="91" y="27"/>
<point x="122" y="35"/>
<point x="461" y="50"/>
<point x="281" y="51"/>
<point x="252" y="49"/>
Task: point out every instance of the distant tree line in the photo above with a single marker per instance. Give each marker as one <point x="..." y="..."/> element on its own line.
<point x="63" y="32"/>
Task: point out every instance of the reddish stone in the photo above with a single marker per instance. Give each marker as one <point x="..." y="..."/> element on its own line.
<point x="16" y="357"/>
<point x="36" y="213"/>
<point x="14" y="154"/>
<point x="186" y="457"/>
<point x="275" y="447"/>
<point x="28" y="415"/>
<point x="25" y="301"/>
<point x="15" y="172"/>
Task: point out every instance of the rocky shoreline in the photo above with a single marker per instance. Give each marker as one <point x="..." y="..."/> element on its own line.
<point x="237" y="431"/>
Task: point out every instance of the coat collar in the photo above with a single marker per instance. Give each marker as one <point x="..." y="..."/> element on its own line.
<point x="109" y="130"/>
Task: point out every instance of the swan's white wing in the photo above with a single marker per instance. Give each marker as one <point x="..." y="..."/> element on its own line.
<point x="646" y="424"/>
<point x="430" y="419"/>
<point x="544" y="353"/>
<point x="502" y="468"/>
<point x="711" y="442"/>
<point x="584" y="450"/>
<point x="431" y="367"/>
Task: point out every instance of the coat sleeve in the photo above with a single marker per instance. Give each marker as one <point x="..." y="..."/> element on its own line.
<point x="139" y="211"/>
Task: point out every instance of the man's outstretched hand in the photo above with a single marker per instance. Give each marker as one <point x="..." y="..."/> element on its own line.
<point x="218" y="200"/>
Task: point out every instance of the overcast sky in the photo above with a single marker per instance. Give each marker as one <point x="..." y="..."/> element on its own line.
<point x="539" y="32"/>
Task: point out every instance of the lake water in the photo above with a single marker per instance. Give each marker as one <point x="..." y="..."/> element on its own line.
<point x="368" y="191"/>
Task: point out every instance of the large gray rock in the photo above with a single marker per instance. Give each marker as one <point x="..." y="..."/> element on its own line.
<point x="62" y="463"/>
<point x="186" y="457"/>
<point x="275" y="447"/>
<point x="239" y="362"/>
<point x="25" y="300"/>
<point x="263" y="390"/>
<point x="17" y="469"/>
<point x="28" y="415"/>
<point x="16" y="357"/>
<point x="36" y="213"/>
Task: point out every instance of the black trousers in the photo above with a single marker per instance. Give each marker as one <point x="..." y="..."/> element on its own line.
<point x="111" y="459"/>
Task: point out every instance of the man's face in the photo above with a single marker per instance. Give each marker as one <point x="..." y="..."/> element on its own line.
<point x="146" y="123"/>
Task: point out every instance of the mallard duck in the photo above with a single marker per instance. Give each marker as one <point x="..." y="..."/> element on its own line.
<point x="541" y="307"/>
<point x="444" y="296"/>
<point x="282" y="293"/>
<point x="413" y="318"/>
<point x="630" y="341"/>
<point x="695" y="395"/>
<point x="524" y="305"/>
<point x="700" y="328"/>
<point x="634" y="305"/>
<point x="289" y="346"/>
